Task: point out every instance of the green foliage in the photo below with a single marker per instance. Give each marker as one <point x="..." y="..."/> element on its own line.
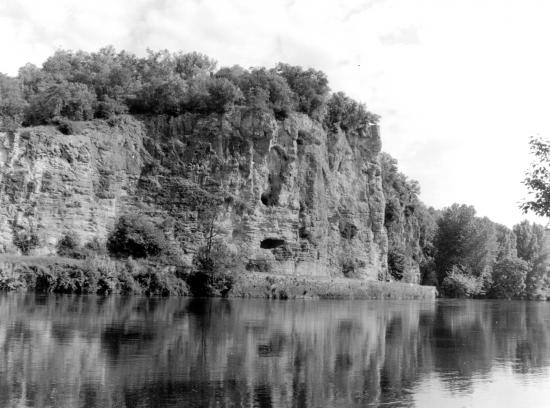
<point x="193" y="64"/>
<point x="12" y="103"/>
<point x="108" y="108"/>
<point x="26" y="241"/>
<point x="81" y="85"/>
<point x="309" y="86"/>
<point x="460" y="284"/>
<point x="69" y="246"/>
<point x="212" y="94"/>
<point x="395" y="183"/>
<point x="71" y="100"/>
<point x="135" y="236"/>
<point x="506" y="241"/>
<point x="410" y="226"/>
<point x="347" y="114"/>
<point x="263" y="89"/>
<point x="508" y="279"/>
<point x="213" y="270"/>
<point x="532" y="247"/>
<point x="64" y="126"/>
<point x="95" y="275"/>
<point x="397" y="262"/>
<point x="95" y="246"/>
<point x="160" y="282"/>
<point x="537" y="281"/>
<point x="464" y="239"/>
<point x="538" y="178"/>
<point x="529" y="240"/>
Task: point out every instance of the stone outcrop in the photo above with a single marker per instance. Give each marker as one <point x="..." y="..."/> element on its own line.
<point x="289" y="196"/>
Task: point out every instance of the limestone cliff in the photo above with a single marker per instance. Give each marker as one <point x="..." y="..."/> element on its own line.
<point x="295" y="198"/>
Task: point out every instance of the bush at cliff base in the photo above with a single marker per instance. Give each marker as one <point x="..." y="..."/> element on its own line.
<point x="136" y="236"/>
<point x="212" y="274"/>
<point x="95" y="275"/>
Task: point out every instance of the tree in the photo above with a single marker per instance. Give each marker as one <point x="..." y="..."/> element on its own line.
<point x="508" y="278"/>
<point x="537" y="179"/>
<point x="191" y="64"/>
<point x="263" y="89"/>
<point x="532" y="247"/>
<point x="310" y="87"/>
<point x="466" y="240"/>
<point x="213" y="262"/>
<point x="12" y="103"/>
<point x="529" y="240"/>
<point x="222" y="95"/>
<point x="162" y="96"/>
<point x="347" y="114"/>
<point x="506" y="241"/>
<point x="74" y="101"/>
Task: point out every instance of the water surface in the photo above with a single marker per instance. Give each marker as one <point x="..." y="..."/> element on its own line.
<point x="87" y="351"/>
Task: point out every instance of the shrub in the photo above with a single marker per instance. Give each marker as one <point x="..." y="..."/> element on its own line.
<point x="109" y="107"/>
<point x="69" y="246"/>
<point x="13" y="277"/>
<point x="64" y="125"/>
<point x="137" y="237"/>
<point x="347" y="114"/>
<point x="397" y="262"/>
<point x="26" y="241"/>
<point x="459" y="284"/>
<point x="160" y="282"/>
<point x="95" y="246"/>
<point x="509" y="278"/>
<point x="212" y="274"/>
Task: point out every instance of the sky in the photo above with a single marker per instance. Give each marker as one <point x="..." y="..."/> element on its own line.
<point x="460" y="85"/>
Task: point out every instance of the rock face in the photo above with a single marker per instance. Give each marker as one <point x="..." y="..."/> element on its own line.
<point x="293" y="198"/>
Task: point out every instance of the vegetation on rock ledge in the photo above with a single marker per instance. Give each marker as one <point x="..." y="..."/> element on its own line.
<point x="78" y="86"/>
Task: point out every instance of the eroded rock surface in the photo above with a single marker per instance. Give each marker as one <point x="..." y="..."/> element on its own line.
<point x="295" y="198"/>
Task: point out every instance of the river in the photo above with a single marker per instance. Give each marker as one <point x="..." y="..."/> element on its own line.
<point x="88" y="351"/>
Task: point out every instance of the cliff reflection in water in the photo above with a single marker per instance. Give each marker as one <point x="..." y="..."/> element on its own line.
<point x="131" y="352"/>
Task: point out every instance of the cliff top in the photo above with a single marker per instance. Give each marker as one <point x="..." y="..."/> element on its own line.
<point x="80" y="86"/>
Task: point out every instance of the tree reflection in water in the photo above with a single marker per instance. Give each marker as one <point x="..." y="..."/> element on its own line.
<point x="138" y="352"/>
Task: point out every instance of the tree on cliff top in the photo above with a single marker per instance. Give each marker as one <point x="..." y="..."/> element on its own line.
<point x="12" y="103"/>
<point x="81" y="85"/>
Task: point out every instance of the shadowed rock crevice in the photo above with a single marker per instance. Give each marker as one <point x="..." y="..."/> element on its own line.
<point x="277" y="163"/>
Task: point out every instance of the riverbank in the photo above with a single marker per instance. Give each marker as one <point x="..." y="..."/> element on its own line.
<point x="260" y="285"/>
<point x="103" y="275"/>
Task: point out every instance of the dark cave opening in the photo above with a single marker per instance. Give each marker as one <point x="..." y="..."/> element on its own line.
<point x="270" y="243"/>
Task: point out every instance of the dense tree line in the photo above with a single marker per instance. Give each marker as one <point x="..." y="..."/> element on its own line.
<point x="81" y="86"/>
<point x="474" y="256"/>
<point x="460" y="253"/>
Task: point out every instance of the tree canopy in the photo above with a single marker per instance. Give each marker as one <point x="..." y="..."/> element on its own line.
<point x="537" y="178"/>
<point x="81" y="86"/>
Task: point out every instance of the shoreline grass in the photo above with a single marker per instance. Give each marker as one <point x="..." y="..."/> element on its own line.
<point x="104" y="275"/>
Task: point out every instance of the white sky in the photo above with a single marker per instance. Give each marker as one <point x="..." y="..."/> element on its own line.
<point x="460" y="85"/>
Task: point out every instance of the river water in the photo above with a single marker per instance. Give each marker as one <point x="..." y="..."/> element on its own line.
<point x="87" y="351"/>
